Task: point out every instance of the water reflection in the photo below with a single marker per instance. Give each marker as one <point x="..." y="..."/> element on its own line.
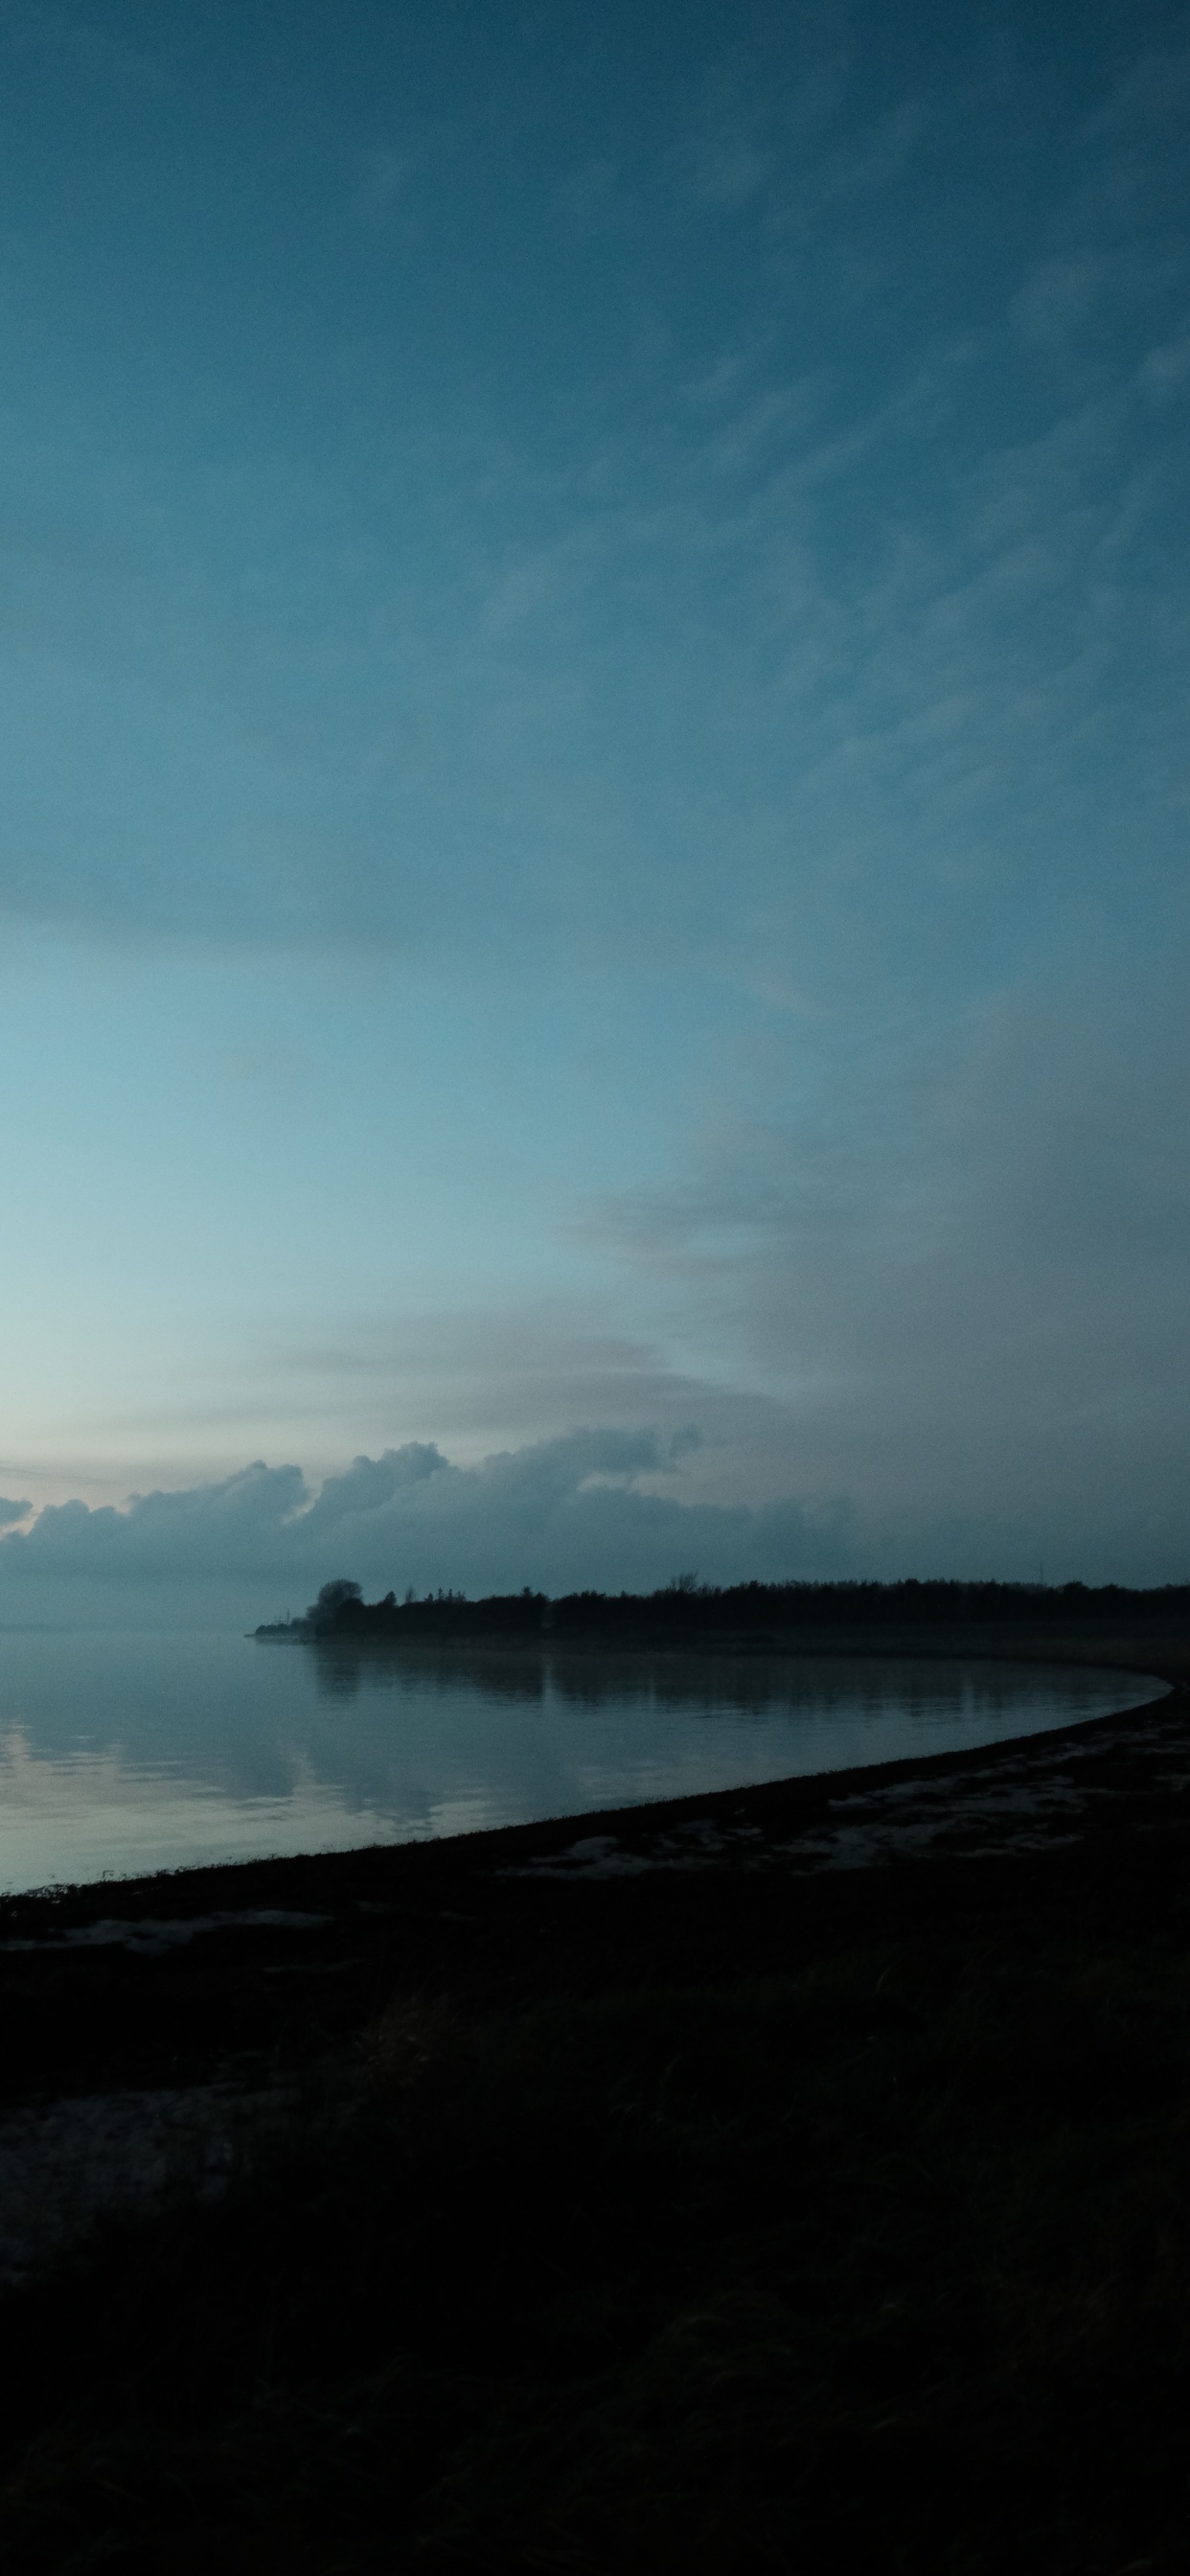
<point x="146" y="1750"/>
<point x="742" y="1685"/>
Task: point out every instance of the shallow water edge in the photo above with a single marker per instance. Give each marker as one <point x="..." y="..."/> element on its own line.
<point x="121" y="1756"/>
<point x="1019" y="1794"/>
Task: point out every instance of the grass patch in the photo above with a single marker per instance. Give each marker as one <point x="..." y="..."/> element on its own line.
<point x="880" y="2257"/>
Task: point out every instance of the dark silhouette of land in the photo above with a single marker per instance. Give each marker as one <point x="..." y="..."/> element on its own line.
<point x="652" y="2192"/>
<point x="687" y="1612"/>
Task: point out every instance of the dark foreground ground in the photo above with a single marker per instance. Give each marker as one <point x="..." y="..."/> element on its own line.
<point x="785" y="2180"/>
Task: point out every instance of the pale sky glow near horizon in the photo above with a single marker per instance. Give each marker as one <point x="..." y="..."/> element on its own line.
<point x="594" y="789"/>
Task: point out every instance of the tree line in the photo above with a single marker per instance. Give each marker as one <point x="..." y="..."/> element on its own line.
<point x="686" y="1607"/>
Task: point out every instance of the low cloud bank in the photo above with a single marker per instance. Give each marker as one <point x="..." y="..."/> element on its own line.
<point x="559" y="1514"/>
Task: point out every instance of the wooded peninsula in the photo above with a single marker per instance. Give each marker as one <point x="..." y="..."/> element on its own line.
<point x="686" y="1610"/>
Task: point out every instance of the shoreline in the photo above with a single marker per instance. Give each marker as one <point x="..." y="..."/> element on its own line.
<point x="785" y="1805"/>
<point x="206" y="1975"/>
<point x="793" y="2157"/>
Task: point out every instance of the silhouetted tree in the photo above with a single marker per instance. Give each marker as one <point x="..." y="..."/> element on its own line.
<point x="331" y="1600"/>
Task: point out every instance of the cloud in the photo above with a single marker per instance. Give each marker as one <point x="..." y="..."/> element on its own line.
<point x="77" y="46"/>
<point x="483" y="1374"/>
<point x="944" y="1305"/>
<point x="968" y="1275"/>
<point x="1069" y="291"/>
<point x="598" y="665"/>
<point x="12" y="1511"/>
<point x="560" y="1514"/>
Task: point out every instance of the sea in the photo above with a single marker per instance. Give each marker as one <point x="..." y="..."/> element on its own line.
<point x="123" y="1752"/>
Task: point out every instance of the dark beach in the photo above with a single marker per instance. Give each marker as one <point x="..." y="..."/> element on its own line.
<point x="748" y="2181"/>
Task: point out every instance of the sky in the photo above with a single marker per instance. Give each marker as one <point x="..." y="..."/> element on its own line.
<point x="594" y="785"/>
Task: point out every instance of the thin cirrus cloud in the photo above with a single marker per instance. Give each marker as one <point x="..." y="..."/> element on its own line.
<point x="599" y="614"/>
<point x="375" y="668"/>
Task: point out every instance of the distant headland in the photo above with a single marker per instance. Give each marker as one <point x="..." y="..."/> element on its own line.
<point x="688" y="1609"/>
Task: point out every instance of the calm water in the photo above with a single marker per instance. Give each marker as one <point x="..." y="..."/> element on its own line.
<point x="130" y="1752"/>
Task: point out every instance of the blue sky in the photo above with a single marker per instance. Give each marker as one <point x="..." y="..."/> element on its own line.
<point x="593" y="784"/>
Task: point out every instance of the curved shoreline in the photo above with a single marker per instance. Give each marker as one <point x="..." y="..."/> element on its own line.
<point x="408" y="2099"/>
<point x="784" y="1813"/>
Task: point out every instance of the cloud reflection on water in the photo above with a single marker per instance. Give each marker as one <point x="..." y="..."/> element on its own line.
<point x="139" y="1751"/>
